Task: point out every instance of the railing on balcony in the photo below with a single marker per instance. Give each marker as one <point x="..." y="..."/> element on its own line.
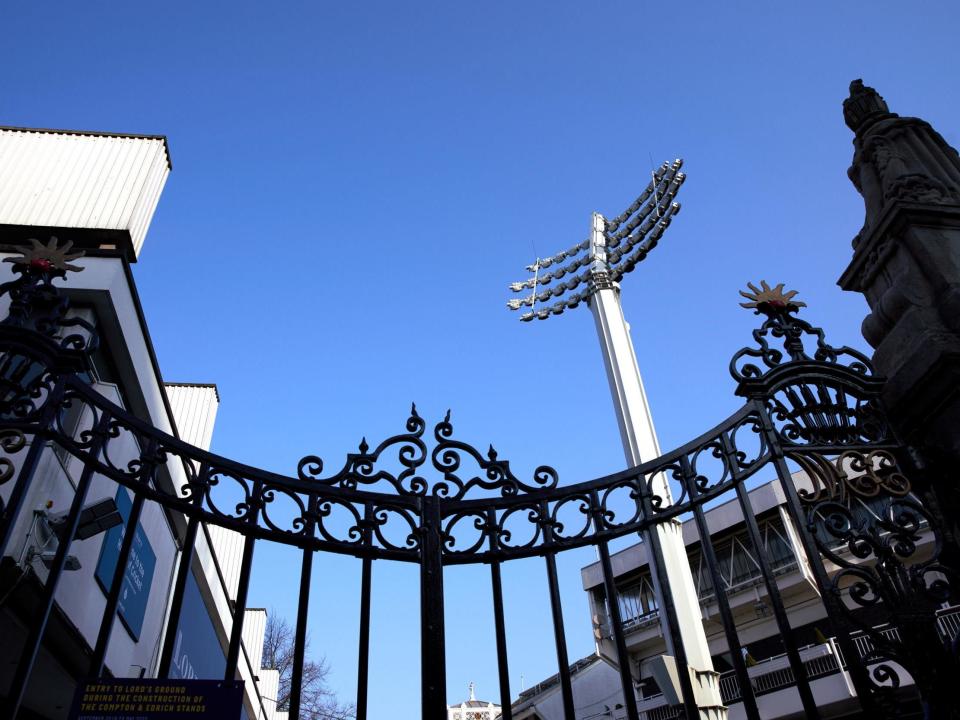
<point x="664" y="712"/>
<point x="822" y="664"/>
<point x="949" y="623"/>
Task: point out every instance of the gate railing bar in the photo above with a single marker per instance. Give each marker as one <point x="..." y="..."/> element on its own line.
<point x="363" y="654"/>
<point x="433" y="665"/>
<point x="776" y="601"/>
<point x="559" y="636"/>
<point x="832" y="603"/>
<point x="610" y="587"/>
<point x="303" y="609"/>
<point x="658" y="568"/>
<point x="29" y="465"/>
<point x="706" y="547"/>
<point x="623" y="656"/>
<point x="147" y="468"/>
<point x="183" y="573"/>
<point x="503" y="666"/>
<point x="31" y="648"/>
<point x="116" y="584"/>
<point x="556" y="613"/>
<point x="243" y="585"/>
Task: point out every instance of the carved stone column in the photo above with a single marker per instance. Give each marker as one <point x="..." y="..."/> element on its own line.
<point x="906" y="262"/>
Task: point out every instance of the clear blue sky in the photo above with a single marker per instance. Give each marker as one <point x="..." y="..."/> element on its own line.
<point x="354" y="185"/>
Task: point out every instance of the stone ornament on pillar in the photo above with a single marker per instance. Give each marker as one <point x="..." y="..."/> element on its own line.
<point x="906" y="262"/>
<point x="895" y="158"/>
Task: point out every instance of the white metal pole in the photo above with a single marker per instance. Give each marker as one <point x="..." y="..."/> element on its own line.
<point x="640" y="444"/>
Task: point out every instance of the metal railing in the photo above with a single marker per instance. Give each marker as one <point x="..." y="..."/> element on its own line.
<point x="433" y="500"/>
<point x="948" y="622"/>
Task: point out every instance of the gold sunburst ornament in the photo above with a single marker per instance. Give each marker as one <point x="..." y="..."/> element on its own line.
<point x="47" y="258"/>
<point x="767" y="299"/>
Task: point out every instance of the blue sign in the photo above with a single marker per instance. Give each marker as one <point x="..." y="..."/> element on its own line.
<point x="197" y="652"/>
<point x="135" y="699"/>
<point x="138" y="578"/>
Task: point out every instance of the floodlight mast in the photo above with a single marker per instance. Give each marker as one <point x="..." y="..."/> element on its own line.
<point x="613" y="249"/>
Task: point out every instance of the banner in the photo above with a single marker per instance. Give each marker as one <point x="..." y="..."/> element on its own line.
<point x="138" y="577"/>
<point x="197" y="652"/>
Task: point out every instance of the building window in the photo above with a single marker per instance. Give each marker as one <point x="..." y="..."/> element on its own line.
<point x="737" y="565"/>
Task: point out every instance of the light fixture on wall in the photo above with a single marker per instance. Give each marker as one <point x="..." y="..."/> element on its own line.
<point x="71" y="562"/>
<point x="95" y="518"/>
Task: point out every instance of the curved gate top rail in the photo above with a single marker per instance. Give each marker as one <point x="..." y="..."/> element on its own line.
<point x="807" y="403"/>
<point x="811" y="398"/>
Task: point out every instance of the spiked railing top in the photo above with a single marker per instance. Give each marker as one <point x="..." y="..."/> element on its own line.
<point x="800" y="341"/>
<point x="36" y="303"/>
<point x="47" y="261"/>
<point x="627" y="239"/>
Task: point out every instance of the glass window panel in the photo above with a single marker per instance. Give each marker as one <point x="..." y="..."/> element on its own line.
<point x="744" y="567"/>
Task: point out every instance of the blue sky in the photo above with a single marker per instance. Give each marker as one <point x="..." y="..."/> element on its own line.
<point x="355" y="184"/>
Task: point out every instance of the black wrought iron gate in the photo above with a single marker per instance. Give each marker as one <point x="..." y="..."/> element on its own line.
<point x="810" y="417"/>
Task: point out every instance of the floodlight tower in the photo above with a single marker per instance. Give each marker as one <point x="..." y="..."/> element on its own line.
<point x="613" y="249"/>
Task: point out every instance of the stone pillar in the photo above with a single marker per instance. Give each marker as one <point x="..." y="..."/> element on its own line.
<point x="906" y="262"/>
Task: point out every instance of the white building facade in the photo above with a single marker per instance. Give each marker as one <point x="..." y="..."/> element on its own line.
<point x="100" y="191"/>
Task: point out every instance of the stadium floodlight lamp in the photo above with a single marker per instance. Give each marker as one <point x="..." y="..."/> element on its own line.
<point x="613" y="249"/>
<point x="590" y="272"/>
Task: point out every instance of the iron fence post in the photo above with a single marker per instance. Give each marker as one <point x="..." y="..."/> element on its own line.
<point x="503" y="665"/>
<point x="28" y="467"/>
<point x="747" y="695"/>
<point x="31" y="648"/>
<point x="366" y="579"/>
<point x="303" y="609"/>
<point x="432" y="644"/>
<point x="183" y="573"/>
<point x="831" y="601"/>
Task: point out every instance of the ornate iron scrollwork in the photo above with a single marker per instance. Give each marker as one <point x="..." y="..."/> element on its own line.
<point x="781" y="324"/>
<point x="815" y="406"/>
<point x="886" y="558"/>
<point x="35" y="304"/>
<point x="446" y="458"/>
<point x="824" y="411"/>
<point x="864" y="474"/>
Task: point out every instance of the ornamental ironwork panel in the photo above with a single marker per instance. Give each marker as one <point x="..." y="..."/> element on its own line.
<point x="811" y="417"/>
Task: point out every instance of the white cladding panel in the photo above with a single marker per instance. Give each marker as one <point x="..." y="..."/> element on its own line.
<point x="62" y="179"/>
<point x="269" y="687"/>
<point x="194" y="411"/>
<point x="254" y="628"/>
<point x="228" y="546"/>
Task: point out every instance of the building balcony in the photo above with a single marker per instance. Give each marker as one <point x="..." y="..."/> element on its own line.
<point x="774" y="683"/>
